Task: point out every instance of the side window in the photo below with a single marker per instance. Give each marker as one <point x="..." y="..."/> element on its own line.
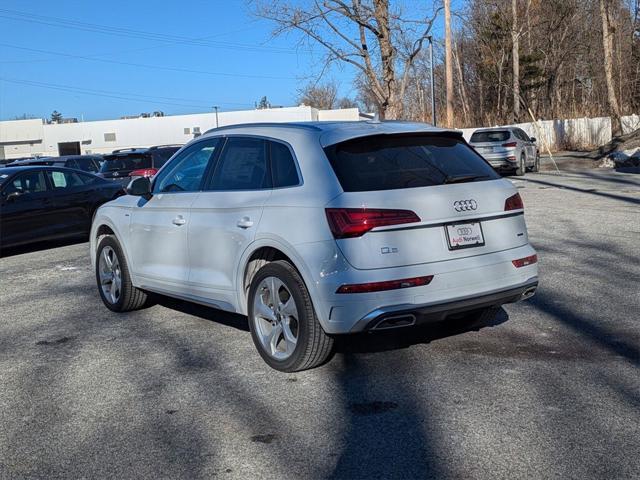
<point x="30" y="182"/>
<point x="61" y="179"/>
<point x="283" y="166"/>
<point x="185" y="171"/>
<point x="524" y="136"/>
<point x="242" y="166"/>
<point x="86" y="164"/>
<point x="72" y="163"/>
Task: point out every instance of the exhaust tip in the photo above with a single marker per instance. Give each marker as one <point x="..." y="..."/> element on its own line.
<point x="528" y="293"/>
<point x="397" y="321"/>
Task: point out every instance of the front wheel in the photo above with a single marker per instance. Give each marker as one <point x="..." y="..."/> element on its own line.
<point x="521" y="167"/>
<point x="113" y="278"/>
<point x="283" y="323"/>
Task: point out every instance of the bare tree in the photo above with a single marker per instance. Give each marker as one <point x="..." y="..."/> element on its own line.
<point x="379" y="42"/>
<point x="324" y="96"/>
<point x="448" y="61"/>
<point x="607" y="45"/>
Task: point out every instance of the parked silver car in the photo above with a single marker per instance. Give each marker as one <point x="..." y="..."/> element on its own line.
<point x="507" y="149"/>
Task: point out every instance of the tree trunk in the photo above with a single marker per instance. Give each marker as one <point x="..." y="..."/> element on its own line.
<point x="448" y="61"/>
<point x="515" y="55"/>
<point x="607" y="45"/>
<point x="392" y="104"/>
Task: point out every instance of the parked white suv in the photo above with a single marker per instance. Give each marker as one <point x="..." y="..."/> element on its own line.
<point x="318" y="229"/>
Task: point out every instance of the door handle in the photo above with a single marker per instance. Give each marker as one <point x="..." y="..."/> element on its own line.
<point x="179" y="220"/>
<point x="245" y="222"/>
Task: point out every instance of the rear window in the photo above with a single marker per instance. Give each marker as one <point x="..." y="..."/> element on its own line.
<point x="391" y="162"/>
<point x="134" y="161"/>
<point x="490" y="136"/>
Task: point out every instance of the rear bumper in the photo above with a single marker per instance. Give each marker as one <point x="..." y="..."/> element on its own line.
<point x="407" y="315"/>
<point x="507" y="162"/>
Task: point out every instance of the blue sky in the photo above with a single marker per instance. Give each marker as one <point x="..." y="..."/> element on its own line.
<point x="86" y="71"/>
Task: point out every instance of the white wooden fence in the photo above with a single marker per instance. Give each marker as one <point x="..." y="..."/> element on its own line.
<point x="573" y="134"/>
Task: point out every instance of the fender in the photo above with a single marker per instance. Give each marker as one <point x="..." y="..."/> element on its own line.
<point x="102" y="218"/>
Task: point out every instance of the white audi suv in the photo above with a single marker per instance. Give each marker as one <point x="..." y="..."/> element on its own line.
<point x="318" y="229"/>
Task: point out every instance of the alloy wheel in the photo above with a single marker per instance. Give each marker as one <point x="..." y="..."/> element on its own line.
<point x="110" y="275"/>
<point x="275" y="317"/>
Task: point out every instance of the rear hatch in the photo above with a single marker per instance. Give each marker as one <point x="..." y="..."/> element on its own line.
<point x="432" y="197"/>
<point x="493" y="143"/>
<point x="119" y="166"/>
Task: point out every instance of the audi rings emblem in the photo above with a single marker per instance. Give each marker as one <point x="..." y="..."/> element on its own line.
<point x="465" y="205"/>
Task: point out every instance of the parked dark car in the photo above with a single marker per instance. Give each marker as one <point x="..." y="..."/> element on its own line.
<point x="86" y="163"/>
<point x="44" y="203"/>
<point x="128" y="163"/>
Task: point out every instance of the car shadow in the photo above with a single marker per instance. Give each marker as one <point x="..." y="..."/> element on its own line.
<point x="381" y="341"/>
<point x="228" y="319"/>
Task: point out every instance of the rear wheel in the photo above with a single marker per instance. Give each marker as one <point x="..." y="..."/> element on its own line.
<point x="521" y="166"/>
<point x="283" y="323"/>
<point x="113" y="278"/>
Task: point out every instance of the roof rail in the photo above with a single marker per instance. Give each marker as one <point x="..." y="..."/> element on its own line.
<point x="167" y="145"/>
<point x="130" y="149"/>
<point x="264" y="124"/>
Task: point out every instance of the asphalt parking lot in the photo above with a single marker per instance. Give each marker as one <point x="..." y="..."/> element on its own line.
<point x="549" y="389"/>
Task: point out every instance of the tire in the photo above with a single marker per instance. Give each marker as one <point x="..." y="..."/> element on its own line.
<point x="119" y="298"/>
<point x="521" y="167"/>
<point x="536" y="163"/>
<point x="275" y="322"/>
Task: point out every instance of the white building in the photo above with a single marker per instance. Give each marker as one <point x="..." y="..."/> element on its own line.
<point x="23" y="138"/>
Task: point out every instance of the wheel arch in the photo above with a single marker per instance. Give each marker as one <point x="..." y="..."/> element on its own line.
<point x="101" y="226"/>
<point x="258" y="254"/>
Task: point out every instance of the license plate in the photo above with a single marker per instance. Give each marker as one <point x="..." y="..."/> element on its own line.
<point x="486" y="149"/>
<point x="464" y="235"/>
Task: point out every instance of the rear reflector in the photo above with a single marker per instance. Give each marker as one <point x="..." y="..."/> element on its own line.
<point x="144" y="172"/>
<point x="512" y="144"/>
<point x="514" y="202"/>
<point x="355" y="222"/>
<point x="523" y="262"/>
<point x="388" y="285"/>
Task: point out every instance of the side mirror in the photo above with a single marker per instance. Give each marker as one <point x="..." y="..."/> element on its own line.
<point x="533" y="139"/>
<point x="140" y="187"/>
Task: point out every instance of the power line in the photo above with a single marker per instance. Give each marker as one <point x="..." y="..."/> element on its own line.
<point x="117" y="95"/>
<point x="143" y="65"/>
<point x="130" y="33"/>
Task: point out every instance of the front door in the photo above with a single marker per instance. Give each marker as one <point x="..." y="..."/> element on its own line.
<point x="26" y="211"/>
<point x="158" y="237"/>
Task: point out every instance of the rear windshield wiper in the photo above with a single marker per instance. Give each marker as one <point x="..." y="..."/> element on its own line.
<point x="464" y="178"/>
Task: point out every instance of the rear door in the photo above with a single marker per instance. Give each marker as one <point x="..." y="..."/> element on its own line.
<point x="225" y="217"/>
<point x="27" y="210"/>
<point x="158" y="233"/>
<point x="458" y="199"/>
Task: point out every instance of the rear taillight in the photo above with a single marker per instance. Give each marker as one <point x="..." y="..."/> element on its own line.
<point x="523" y="262"/>
<point x="355" y="222"/>
<point x="388" y="285"/>
<point x="514" y="202"/>
<point x="510" y="144"/>
<point x="144" y="172"/>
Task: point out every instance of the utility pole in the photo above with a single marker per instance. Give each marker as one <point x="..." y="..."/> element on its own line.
<point x="433" y="86"/>
<point x="216" y="109"/>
